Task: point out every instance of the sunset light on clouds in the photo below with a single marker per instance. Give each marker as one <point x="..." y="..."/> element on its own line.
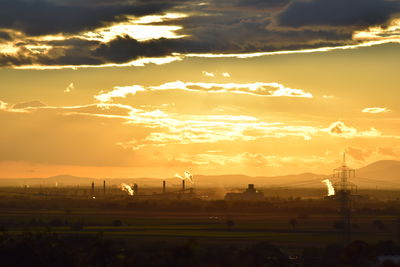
<point x="152" y="88"/>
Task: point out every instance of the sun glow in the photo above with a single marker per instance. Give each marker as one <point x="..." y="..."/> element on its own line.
<point x="8" y="48"/>
<point x="138" y="28"/>
<point x="379" y="33"/>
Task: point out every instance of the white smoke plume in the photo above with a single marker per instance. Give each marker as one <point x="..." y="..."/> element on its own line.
<point x="186" y="176"/>
<point x="178" y="176"/>
<point x="127" y="188"/>
<point x="331" y="189"/>
<point x="189" y="176"/>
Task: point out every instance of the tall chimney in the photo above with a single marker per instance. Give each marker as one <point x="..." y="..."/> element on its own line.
<point x="104" y="186"/>
<point x="183" y="186"/>
<point x="164" y="183"/>
<point x="135" y="189"/>
<point x="92" y="187"/>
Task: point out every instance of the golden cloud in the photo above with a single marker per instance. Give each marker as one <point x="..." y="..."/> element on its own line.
<point x="81" y="135"/>
<point x="256" y="89"/>
<point x="138" y="28"/>
<point x="375" y="110"/>
<point x="3" y="105"/>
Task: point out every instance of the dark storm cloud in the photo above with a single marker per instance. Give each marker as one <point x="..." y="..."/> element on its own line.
<point x="78" y="52"/>
<point x="36" y="17"/>
<point x="269" y="3"/>
<point x="256" y="4"/>
<point x="338" y="13"/>
<point x="123" y="49"/>
<point x="15" y="60"/>
<point x="218" y="26"/>
<point x="240" y="29"/>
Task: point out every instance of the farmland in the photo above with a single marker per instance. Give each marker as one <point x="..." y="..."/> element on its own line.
<point x="137" y="230"/>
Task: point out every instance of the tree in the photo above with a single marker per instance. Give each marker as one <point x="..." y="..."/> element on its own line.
<point x="293" y="222"/>
<point x="77" y="226"/>
<point x="117" y="223"/>
<point x="379" y="224"/>
<point x="338" y="225"/>
<point x="230" y="223"/>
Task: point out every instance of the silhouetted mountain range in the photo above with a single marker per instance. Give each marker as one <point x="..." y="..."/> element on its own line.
<point x="385" y="173"/>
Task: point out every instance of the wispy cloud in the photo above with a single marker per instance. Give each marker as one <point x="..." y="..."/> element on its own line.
<point x="3" y="105"/>
<point x="258" y="88"/>
<point x="208" y="74"/>
<point x="371" y="154"/>
<point x="151" y="137"/>
<point x="380" y="33"/>
<point x="357" y="153"/>
<point x="255" y="89"/>
<point x="375" y="110"/>
<point x="134" y="63"/>
<point x="340" y="129"/>
<point x="138" y="28"/>
<point x="69" y="88"/>
<point x="119" y="92"/>
<point x="250" y="160"/>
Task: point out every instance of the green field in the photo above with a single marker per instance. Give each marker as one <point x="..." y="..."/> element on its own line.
<point x="315" y="230"/>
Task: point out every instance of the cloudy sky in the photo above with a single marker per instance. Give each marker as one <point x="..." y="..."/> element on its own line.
<point x="133" y="88"/>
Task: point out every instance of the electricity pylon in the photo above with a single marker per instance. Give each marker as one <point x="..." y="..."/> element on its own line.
<point x="344" y="189"/>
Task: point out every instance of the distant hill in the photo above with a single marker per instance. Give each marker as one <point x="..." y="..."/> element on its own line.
<point x="306" y="179"/>
<point x="385" y="173"/>
<point x="50" y="181"/>
<point x="385" y="169"/>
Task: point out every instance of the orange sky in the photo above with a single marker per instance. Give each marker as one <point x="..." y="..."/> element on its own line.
<point x="250" y="112"/>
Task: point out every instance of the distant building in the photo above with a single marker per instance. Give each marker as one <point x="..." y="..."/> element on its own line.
<point x="251" y="194"/>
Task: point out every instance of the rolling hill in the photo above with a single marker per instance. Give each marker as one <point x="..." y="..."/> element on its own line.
<point x="384" y="173"/>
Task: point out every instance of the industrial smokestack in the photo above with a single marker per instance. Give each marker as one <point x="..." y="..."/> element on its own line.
<point x="92" y="187"/>
<point x="104" y="186"/>
<point x="183" y="186"/>
<point x="164" y="184"/>
<point x="135" y="189"/>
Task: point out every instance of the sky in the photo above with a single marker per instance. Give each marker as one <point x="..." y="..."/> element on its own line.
<point x="134" y="88"/>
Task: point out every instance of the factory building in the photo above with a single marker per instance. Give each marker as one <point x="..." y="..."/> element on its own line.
<point x="251" y="194"/>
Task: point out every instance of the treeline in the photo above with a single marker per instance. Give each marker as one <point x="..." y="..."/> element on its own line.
<point x="48" y="249"/>
<point x="297" y="206"/>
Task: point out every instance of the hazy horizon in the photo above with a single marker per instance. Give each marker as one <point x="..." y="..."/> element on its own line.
<point x="211" y="174"/>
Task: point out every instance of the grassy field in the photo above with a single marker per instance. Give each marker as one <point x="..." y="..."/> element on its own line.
<point x="117" y="216"/>
<point x="186" y="232"/>
<point x="315" y="230"/>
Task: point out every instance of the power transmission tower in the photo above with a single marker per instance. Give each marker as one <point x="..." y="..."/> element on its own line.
<point x="344" y="190"/>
